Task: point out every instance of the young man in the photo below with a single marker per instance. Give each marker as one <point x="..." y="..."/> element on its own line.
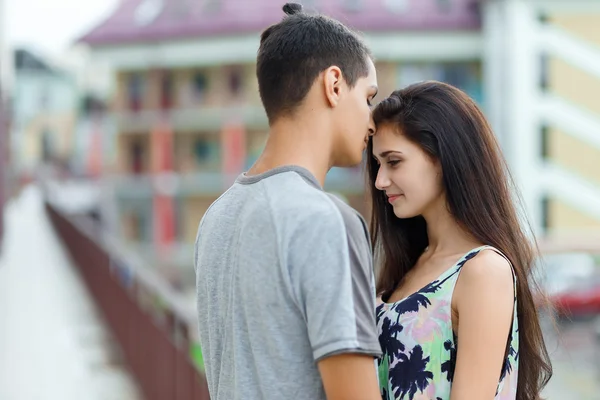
<point x="284" y="274"/>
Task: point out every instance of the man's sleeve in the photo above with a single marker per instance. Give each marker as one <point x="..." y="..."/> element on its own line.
<point x="331" y="274"/>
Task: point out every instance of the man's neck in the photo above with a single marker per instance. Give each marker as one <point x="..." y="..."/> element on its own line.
<point x="295" y="144"/>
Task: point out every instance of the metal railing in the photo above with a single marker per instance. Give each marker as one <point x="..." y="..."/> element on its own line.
<point x="154" y="338"/>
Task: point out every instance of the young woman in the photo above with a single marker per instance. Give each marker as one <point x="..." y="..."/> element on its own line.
<point x="456" y="317"/>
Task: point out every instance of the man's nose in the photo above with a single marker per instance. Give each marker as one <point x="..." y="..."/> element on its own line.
<point x="372" y="127"/>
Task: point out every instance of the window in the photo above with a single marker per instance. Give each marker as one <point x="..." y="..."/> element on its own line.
<point x="91" y="104"/>
<point x="545" y="145"/>
<point x="136" y="221"/>
<point x="206" y="153"/>
<point x="201" y="150"/>
<point x="194" y="90"/>
<point x="545" y="206"/>
<point x="544" y="71"/>
<point x="135" y="91"/>
<point x="166" y="91"/>
<point x="136" y="158"/>
<point x="44" y="99"/>
<point x="47" y="148"/>
<point x="235" y="82"/>
<point x="199" y="87"/>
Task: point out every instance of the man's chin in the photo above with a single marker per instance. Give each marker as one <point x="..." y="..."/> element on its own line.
<point x="350" y="162"/>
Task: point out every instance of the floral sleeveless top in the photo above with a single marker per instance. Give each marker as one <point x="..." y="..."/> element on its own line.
<point x="419" y="346"/>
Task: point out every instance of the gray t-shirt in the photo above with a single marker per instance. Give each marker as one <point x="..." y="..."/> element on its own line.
<point x="284" y="278"/>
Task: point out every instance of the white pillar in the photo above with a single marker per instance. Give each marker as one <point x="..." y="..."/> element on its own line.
<point x="3" y="67"/>
<point x="522" y="124"/>
<point x="4" y="142"/>
<point x="7" y="77"/>
<point x="494" y="71"/>
<point x="5" y="55"/>
<point x="512" y="60"/>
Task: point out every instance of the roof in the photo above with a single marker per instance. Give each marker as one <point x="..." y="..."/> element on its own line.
<point x="136" y="21"/>
<point x="25" y="60"/>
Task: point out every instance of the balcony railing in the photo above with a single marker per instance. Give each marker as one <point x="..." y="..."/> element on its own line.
<point x="572" y="119"/>
<point x="153" y="325"/>
<point x="346" y="181"/>
<point x="191" y="119"/>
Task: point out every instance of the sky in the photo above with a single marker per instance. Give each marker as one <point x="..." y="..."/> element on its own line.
<point x="51" y="26"/>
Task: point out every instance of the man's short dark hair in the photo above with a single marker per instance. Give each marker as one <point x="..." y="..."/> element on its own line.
<point x="296" y="50"/>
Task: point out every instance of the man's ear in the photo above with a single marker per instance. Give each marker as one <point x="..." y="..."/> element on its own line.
<point x="333" y="85"/>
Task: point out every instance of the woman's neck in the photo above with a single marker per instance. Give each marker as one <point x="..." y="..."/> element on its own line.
<point x="445" y="234"/>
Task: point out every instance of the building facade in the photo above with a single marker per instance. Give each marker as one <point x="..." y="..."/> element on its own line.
<point x="44" y="113"/>
<point x="5" y="76"/>
<point x="187" y="115"/>
<point x="577" y="86"/>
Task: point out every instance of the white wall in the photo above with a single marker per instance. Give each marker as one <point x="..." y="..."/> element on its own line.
<point x="29" y="88"/>
<point x="5" y="54"/>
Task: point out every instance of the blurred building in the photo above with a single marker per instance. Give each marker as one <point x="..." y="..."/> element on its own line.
<point x="5" y="56"/>
<point x="186" y="86"/>
<point x="571" y="124"/>
<point x="5" y="77"/>
<point x="44" y="113"/>
<point x="188" y="118"/>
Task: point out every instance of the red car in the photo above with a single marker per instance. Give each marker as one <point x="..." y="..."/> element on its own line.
<point x="580" y="300"/>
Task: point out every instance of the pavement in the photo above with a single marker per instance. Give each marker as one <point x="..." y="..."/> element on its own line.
<point x="574" y="347"/>
<point x="53" y="342"/>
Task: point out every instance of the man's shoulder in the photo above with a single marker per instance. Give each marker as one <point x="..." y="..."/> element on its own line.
<point x="344" y="208"/>
<point x="353" y="220"/>
<point x="290" y="196"/>
<point x="285" y="197"/>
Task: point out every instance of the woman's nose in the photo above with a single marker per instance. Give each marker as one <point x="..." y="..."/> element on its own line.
<point x="382" y="180"/>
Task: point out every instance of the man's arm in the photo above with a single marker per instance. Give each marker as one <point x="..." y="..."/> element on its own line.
<point x="349" y="377"/>
<point x="331" y="272"/>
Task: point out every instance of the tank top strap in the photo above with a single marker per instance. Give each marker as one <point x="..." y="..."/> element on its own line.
<point x="450" y="276"/>
<point x="455" y="269"/>
<point x="512" y="268"/>
<point x="476" y="251"/>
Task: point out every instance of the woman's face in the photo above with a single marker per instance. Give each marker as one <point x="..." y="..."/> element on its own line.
<point x="410" y="178"/>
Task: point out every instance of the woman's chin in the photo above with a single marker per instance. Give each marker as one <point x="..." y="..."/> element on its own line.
<point x="403" y="213"/>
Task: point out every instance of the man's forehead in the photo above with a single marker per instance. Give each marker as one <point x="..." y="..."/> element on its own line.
<point x="371" y="65"/>
<point x="372" y="76"/>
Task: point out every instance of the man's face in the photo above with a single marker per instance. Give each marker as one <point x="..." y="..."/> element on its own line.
<point x="354" y="120"/>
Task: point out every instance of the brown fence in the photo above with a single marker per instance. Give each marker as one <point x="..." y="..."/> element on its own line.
<point x="155" y="343"/>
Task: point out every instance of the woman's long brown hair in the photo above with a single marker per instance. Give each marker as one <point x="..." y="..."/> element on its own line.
<point x="481" y="197"/>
